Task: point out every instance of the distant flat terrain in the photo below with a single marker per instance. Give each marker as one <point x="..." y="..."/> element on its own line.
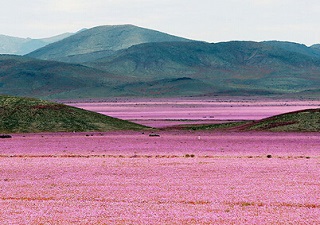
<point x="168" y="112"/>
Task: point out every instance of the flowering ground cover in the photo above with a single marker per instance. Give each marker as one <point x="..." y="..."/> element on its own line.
<point x="166" y="176"/>
<point x="177" y="177"/>
<point x="169" y="112"/>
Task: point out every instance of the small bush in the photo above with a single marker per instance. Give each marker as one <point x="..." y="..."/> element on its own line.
<point x="5" y="136"/>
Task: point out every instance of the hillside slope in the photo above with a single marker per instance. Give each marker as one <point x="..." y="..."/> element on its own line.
<point x="298" y="121"/>
<point x="234" y="68"/>
<point x="311" y="51"/>
<point x="316" y="46"/>
<point x="172" y="69"/>
<point x="22" y="76"/>
<point x="22" y="46"/>
<point x="99" y="42"/>
<point x="25" y="115"/>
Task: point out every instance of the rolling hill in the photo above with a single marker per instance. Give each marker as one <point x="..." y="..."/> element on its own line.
<point x="232" y="68"/>
<point x="126" y="60"/>
<point x="316" y="46"/>
<point x="98" y="42"/>
<point x="172" y="69"/>
<point x="298" y="121"/>
<point x="22" y="46"/>
<point x="311" y="51"/>
<point x="23" y="76"/>
<point x="26" y="115"/>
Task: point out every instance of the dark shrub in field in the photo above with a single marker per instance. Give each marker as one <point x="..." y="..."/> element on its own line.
<point x="5" y="136"/>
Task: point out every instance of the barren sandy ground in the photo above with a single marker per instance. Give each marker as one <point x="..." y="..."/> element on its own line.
<point x="177" y="178"/>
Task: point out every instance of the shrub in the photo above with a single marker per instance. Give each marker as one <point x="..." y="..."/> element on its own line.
<point x="5" y="136"/>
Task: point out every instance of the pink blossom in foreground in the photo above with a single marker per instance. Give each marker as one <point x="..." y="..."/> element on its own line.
<point x="131" y="178"/>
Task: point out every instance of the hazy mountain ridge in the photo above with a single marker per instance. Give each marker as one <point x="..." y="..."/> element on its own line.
<point x="22" y="46"/>
<point x="203" y="55"/>
<point x="99" y="39"/>
<point x="23" y="76"/>
<point x="234" y="67"/>
<point x="312" y="51"/>
<point x="116" y="63"/>
<point x="315" y="46"/>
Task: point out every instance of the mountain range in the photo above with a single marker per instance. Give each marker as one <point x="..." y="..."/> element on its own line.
<point x="99" y="42"/>
<point x="22" y="46"/>
<point x="127" y="60"/>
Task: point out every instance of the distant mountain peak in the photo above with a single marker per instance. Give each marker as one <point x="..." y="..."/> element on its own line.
<point x="105" y="38"/>
<point x="170" y="69"/>
<point x="315" y="46"/>
<point x="22" y="46"/>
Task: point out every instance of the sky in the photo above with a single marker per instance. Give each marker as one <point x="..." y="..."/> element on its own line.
<point x="205" y="20"/>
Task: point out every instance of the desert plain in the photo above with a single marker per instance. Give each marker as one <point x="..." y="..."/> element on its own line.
<point x="174" y="177"/>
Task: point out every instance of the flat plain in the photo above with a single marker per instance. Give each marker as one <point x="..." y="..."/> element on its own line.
<point x="175" y="177"/>
<point x="164" y="112"/>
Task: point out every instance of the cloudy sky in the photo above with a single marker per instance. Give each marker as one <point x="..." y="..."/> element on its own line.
<point x="208" y="20"/>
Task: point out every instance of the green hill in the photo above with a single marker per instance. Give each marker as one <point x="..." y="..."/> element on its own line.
<point x="232" y="68"/>
<point x="23" y="76"/>
<point x="24" y="115"/>
<point x="311" y="51"/>
<point x="22" y="46"/>
<point x="99" y="42"/>
<point x="298" y="121"/>
<point x="316" y="46"/>
<point x="171" y="69"/>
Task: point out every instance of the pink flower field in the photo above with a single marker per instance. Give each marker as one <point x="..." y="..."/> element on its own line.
<point x="178" y="177"/>
<point x="167" y="112"/>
